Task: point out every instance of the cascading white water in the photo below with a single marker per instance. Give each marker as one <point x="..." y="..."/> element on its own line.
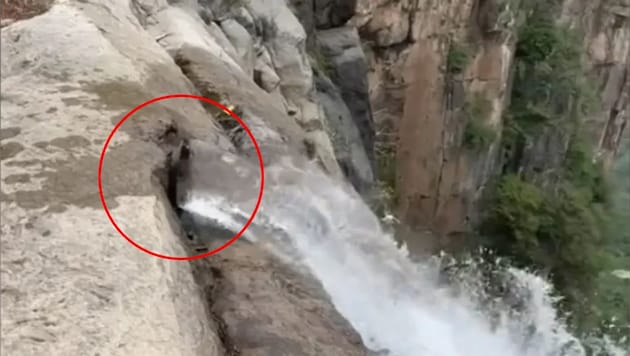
<point x="393" y="303"/>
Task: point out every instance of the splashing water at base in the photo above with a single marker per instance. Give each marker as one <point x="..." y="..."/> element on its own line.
<point x="393" y="303"/>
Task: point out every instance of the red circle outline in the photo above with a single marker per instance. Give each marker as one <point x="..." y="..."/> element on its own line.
<point x="260" y="161"/>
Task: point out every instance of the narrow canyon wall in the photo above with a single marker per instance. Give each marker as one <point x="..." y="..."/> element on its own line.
<point x="606" y="24"/>
<point x="422" y="104"/>
<point x="340" y="76"/>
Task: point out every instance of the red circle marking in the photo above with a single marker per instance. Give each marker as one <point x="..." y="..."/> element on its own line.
<point x="260" y="161"/>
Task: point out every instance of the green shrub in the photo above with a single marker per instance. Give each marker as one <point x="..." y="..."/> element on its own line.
<point x="457" y="58"/>
<point x="516" y="215"/>
<point x="559" y="226"/>
<point x="478" y="133"/>
<point x="584" y="172"/>
<point x="386" y="170"/>
<point x="549" y="83"/>
<point x="560" y="232"/>
<point x="536" y="41"/>
<point x="612" y="299"/>
<point x="320" y="62"/>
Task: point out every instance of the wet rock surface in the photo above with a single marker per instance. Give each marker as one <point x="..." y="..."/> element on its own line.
<point x="269" y="309"/>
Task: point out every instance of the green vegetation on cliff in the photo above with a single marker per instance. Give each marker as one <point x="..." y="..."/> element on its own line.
<point x="478" y="133"/>
<point x="385" y="152"/>
<point x="457" y="58"/>
<point x="319" y="61"/>
<point x="550" y="87"/>
<point x="559" y="232"/>
<point x="611" y="303"/>
<point x="552" y="216"/>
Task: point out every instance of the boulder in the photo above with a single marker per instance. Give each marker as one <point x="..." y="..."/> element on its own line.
<point x="276" y="132"/>
<point x="386" y="25"/>
<point x="242" y="42"/>
<point x="285" y="39"/>
<point x="176" y="27"/>
<point x="245" y="19"/>
<point x="220" y="37"/>
<point x="265" y="76"/>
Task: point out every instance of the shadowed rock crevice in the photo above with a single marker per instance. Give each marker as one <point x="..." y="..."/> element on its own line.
<point x="209" y="279"/>
<point x="171" y="176"/>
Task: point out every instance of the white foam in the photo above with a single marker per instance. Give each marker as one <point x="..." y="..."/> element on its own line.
<point x="393" y="303"/>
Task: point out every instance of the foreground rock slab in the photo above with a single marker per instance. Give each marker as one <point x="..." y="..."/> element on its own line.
<point x="70" y="284"/>
<point x="269" y="309"/>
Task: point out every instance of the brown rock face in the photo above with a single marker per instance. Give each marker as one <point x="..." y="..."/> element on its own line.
<point x="264" y="306"/>
<point x="439" y="180"/>
<point x="607" y="43"/>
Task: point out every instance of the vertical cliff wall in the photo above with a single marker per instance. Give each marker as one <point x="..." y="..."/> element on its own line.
<point x="441" y="82"/>
<point x="606" y="24"/>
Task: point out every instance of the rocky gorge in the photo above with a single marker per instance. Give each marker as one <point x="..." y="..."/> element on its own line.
<point x="412" y="106"/>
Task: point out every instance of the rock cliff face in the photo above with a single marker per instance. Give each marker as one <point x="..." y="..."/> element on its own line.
<point x="67" y="76"/>
<point x="365" y="88"/>
<point x="606" y="24"/>
<point x="437" y="181"/>
<point x="341" y="85"/>
<point x="421" y="101"/>
<point x="70" y="284"/>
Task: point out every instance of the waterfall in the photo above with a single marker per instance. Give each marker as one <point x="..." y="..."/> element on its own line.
<point x="395" y="304"/>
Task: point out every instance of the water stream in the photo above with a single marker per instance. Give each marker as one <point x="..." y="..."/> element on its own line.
<point x="394" y="304"/>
